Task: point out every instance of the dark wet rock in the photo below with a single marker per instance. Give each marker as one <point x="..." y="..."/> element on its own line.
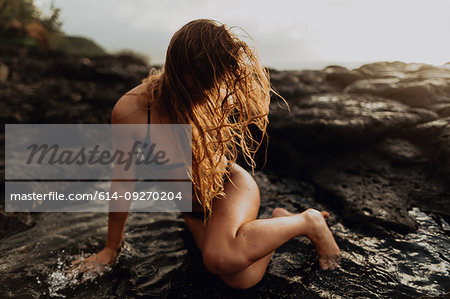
<point x="388" y="69"/>
<point x="340" y="76"/>
<point x="11" y="223"/>
<point x="431" y="129"/>
<point x="104" y="68"/>
<point x="437" y="135"/>
<point x="402" y="151"/>
<point x="443" y="110"/>
<point x="363" y="204"/>
<point x="425" y="114"/>
<point x="402" y="70"/>
<point x="342" y="120"/>
<point x="333" y="78"/>
<point x="160" y="257"/>
<point x="442" y="146"/>
<point x="417" y="85"/>
<point x="301" y="83"/>
<point x="78" y="89"/>
<point x="371" y="158"/>
<point x="374" y="190"/>
<point x="415" y="93"/>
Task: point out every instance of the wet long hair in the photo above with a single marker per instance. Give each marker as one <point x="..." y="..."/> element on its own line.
<point x="214" y="81"/>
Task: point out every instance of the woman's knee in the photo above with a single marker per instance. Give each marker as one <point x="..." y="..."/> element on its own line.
<point x="242" y="281"/>
<point x="244" y="177"/>
<point x="219" y="261"/>
<point x="245" y="184"/>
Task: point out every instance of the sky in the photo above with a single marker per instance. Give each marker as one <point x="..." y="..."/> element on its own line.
<point x="289" y="34"/>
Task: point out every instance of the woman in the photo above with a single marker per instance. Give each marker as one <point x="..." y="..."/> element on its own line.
<point x="213" y="80"/>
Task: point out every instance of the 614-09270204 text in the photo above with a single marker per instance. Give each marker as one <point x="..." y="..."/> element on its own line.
<point x="98" y="195"/>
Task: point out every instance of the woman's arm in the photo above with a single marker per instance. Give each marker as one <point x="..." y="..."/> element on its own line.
<point x="123" y="140"/>
<point x="117" y="220"/>
<point x="123" y="175"/>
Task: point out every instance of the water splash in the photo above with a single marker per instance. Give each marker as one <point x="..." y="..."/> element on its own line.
<point x="66" y="276"/>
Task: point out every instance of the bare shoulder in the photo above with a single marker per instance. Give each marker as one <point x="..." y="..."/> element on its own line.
<point x="129" y="106"/>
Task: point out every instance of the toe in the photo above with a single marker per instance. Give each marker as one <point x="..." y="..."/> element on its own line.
<point x="323" y="263"/>
<point x="329" y="262"/>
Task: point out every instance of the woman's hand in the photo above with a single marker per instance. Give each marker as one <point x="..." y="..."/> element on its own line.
<point x="94" y="265"/>
<point x="105" y="257"/>
<point x="99" y="263"/>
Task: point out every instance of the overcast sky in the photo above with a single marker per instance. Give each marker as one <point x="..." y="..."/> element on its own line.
<point x="289" y="34"/>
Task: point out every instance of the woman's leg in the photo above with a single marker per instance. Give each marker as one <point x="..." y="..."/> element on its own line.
<point x="242" y="279"/>
<point x="238" y="247"/>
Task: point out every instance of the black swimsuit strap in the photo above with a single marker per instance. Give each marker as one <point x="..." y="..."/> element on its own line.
<point x="147" y="137"/>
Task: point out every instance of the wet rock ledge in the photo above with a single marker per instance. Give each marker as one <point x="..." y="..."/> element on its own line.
<point x="374" y="141"/>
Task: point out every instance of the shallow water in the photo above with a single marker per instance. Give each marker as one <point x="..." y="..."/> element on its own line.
<point x="159" y="259"/>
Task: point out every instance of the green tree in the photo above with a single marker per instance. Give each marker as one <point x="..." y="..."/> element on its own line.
<point x="19" y="13"/>
<point x="51" y="22"/>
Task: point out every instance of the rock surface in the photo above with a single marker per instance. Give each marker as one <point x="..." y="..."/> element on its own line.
<point x="372" y="144"/>
<point x="374" y="140"/>
<point x="53" y="87"/>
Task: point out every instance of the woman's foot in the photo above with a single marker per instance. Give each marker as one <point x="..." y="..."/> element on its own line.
<point x="319" y="233"/>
